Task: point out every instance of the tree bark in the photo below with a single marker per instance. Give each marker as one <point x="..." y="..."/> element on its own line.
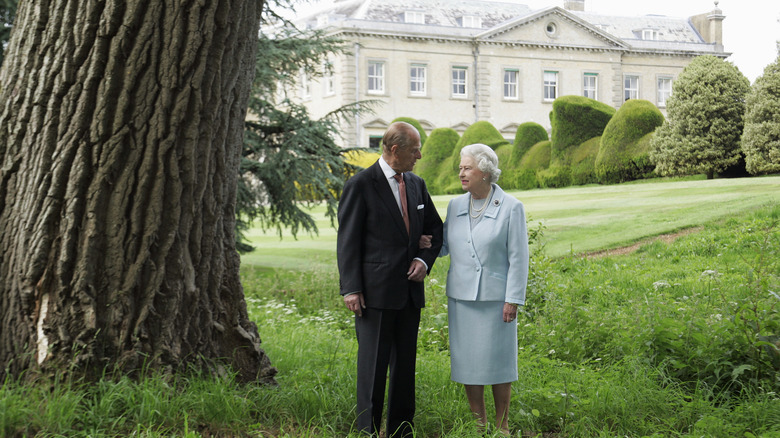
<point x="121" y="126"/>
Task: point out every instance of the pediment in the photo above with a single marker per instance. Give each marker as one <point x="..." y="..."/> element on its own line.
<point x="510" y="128"/>
<point x="552" y="26"/>
<point x="427" y="125"/>
<point x="377" y="124"/>
<point x="460" y="127"/>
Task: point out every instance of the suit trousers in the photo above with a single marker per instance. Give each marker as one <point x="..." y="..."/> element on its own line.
<point x="386" y="339"/>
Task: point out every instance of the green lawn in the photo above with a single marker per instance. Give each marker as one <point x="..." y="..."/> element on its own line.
<point x="578" y="219"/>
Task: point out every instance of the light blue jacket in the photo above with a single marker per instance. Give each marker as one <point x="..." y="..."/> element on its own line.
<point x="489" y="263"/>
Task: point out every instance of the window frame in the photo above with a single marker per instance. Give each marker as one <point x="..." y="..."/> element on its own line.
<point x="417" y="80"/>
<point x="458" y="82"/>
<point x="628" y="91"/>
<point x="515" y="84"/>
<point x="414" y="17"/>
<point x="662" y="102"/>
<point x="377" y="79"/>
<point x="585" y="85"/>
<point x="474" y="21"/>
<point x="329" y="88"/>
<point x="550" y="85"/>
<point x="305" y="85"/>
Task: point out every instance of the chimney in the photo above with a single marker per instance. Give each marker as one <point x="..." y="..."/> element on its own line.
<point x="574" y="5"/>
<point x="710" y="26"/>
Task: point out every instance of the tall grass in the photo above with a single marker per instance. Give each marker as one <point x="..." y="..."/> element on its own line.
<point x="677" y="339"/>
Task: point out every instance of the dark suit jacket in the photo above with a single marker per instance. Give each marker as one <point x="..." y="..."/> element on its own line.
<point x="374" y="250"/>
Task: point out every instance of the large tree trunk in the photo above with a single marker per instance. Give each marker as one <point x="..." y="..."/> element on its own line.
<point x="120" y="132"/>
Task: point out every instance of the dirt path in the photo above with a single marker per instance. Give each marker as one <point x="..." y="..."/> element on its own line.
<point x="666" y="238"/>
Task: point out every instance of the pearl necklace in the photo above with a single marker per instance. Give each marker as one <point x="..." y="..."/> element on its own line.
<point x="481" y="209"/>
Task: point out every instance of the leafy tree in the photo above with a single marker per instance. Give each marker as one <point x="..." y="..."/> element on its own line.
<point x="761" y="139"/>
<point x="120" y="159"/>
<point x="290" y="160"/>
<point x="704" y="124"/>
<point x="7" y="14"/>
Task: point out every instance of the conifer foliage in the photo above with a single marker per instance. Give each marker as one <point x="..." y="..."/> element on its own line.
<point x="761" y="139"/>
<point x="704" y="124"/>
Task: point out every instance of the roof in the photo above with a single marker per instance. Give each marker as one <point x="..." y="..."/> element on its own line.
<point x="443" y="19"/>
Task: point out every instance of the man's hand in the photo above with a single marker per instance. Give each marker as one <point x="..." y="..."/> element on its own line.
<point x="510" y="312"/>
<point x="417" y="271"/>
<point x="425" y="241"/>
<point x="355" y="303"/>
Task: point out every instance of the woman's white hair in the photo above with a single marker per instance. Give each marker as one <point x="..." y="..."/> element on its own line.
<point x="486" y="158"/>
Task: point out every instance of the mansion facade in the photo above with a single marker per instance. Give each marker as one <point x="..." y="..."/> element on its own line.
<point x="450" y="63"/>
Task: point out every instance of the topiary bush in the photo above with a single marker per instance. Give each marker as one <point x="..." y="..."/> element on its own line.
<point x="435" y="152"/>
<point x="534" y="160"/>
<point x="583" y="160"/>
<point x="554" y="177"/>
<point x="575" y="120"/>
<point x="622" y="157"/>
<point x="528" y="134"/>
<point x="417" y="126"/>
<point x="480" y="132"/>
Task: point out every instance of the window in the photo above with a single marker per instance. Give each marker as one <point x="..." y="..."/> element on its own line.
<point x="376" y="77"/>
<point x="550" y="85"/>
<point x="664" y="90"/>
<point x="631" y="87"/>
<point x="375" y="142"/>
<point x="327" y="78"/>
<point x="415" y="17"/>
<point x="649" y="34"/>
<point x="511" y="83"/>
<point x="459" y="82"/>
<point x="417" y="75"/>
<point x="305" y="85"/>
<point x="590" y="83"/>
<point x="551" y="28"/>
<point x="471" y="21"/>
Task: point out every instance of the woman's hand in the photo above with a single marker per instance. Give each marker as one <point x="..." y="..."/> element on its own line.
<point x="510" y="312"/>
<point x="425" y="241"/>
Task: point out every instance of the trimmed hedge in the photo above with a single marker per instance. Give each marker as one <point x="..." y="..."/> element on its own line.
<point x="622" y="156"/>
<point x="416" y="124"/>
<point x="528" y="134"/>
<point x="583" y="160"/>
<point x="575" y="120"/>
<point x="480" y="132"/>
<point x="435" y="152"/>
<point x="535" y="160"/>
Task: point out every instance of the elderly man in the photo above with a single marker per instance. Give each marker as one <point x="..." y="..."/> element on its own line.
<point x="384" y="210"/>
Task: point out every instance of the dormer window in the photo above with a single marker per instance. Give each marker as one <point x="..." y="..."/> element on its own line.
<point x="471" y="21"/>
<point x="415" y="17"/>
<point x="649" y="34"/>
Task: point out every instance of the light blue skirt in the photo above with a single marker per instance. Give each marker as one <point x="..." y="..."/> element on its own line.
<point x="483" y="348"/>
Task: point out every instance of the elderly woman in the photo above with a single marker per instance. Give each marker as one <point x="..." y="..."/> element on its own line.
<point x="485" y="235"/>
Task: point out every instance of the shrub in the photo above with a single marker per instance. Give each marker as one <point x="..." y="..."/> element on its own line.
<point x="480" y="132"/>
<point x="506" y="179"/>
<point x="576" y="119"/>
<point x="621" y="154"/>
<point x="437" y="148"/>
<point x="761" y="138"/>
<point x="416" y="124"/>
<point x="361" y="158"/>
<point x="704" y="121"/>
<point x="583" y="159"/>
<point x="528" y="134"/>
<point x="555" y="176"/>
<point x="537" y="158"/>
